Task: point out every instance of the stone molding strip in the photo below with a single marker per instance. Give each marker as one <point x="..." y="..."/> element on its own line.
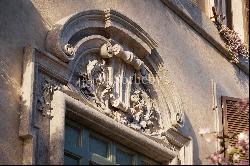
<point x="201" y="24"/>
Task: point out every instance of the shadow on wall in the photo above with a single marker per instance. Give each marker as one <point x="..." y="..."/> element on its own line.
<point x="187" y="129"/>
<point x="20" y="25"/>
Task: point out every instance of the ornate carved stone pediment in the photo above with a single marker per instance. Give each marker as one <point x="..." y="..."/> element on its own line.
<point x="107" y="63"/>
<point x="114" y="64"/>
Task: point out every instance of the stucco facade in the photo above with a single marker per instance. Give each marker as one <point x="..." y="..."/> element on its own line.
<point x="188" y="44"/>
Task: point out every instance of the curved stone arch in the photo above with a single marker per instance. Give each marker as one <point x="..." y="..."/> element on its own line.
<point x="62" y="32"/>
<point x="71" y="37"/>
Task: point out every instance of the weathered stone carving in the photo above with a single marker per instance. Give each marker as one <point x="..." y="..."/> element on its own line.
<point x="73" y="28"/>
<point x="72" y="39"/>
<point x="85" y="88"/>
<point x="69" y="50"/>
<point x="107" y="51"/>
<point x="99" y="85"/>
<point x="94" y="85"/>
<point x="144" y="112"/>
<point x="178" y="119"/>
<point x="118" y="104"/>
<point x="47" y="96"/>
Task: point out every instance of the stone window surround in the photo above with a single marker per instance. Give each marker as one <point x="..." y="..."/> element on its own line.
<point x="97" y="121"/>
<point x="87" y="153"/>
<point x="63" y="99"/>
<point x="40" y="62"/>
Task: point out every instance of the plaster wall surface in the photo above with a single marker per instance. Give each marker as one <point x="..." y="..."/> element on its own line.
<point x="238" y="21"/>
<point x="20" y="25"/>
<point x="191" y="61"/>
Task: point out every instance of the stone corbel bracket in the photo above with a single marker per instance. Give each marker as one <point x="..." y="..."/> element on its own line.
<point x="65" y="34"/>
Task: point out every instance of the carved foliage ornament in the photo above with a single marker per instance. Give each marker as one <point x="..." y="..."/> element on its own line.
<point x="113" y="80"/>
<point x="44" y="101"/>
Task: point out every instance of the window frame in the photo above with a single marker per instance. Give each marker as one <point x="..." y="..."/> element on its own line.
<point x="90" y="157"/>
<point x="82" y="111"/>
<point x="95" y="158"/>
